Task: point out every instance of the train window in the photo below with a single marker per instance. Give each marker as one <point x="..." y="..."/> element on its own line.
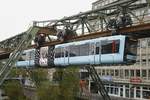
<point x="84" y="50"/>
<point x="58" y="53"/>
<point x="97" y="50"/>
<point x="110" y="47"/>
<point x="66" y="54"/>
<point x="32" y="57"/>
<point x="92" y="48"/>
<point x="21" y="59"/>
<point x="66" y="51"/>
<point x="74" y="51"/>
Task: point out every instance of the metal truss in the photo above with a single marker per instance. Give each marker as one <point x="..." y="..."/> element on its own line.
<point x="91" y="21"/>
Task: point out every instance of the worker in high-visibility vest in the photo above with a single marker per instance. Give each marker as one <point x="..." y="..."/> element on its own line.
<point x="82" y="84"/>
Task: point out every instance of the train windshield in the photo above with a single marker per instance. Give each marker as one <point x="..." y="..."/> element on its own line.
<point x="131" y="46"/>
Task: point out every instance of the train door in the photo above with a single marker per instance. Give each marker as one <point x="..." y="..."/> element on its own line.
<point x="106" y="51"/>
<point x="92" y="53"/>
<point x="66" y="55"/>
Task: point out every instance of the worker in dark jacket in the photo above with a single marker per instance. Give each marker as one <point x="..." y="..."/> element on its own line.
<point x="40" y="39"/>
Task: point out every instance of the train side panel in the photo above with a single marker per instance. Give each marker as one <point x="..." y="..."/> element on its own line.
<point x="75" y="59"/>
<point x="21" y="64"/>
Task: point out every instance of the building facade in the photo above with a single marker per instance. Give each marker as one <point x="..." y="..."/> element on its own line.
<point x="128" y="81"/>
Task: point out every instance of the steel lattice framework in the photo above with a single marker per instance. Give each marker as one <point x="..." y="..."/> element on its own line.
<point x="90" y="22"/>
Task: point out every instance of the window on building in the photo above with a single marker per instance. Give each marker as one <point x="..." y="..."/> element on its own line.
<point x="146" y="93"/>
<point x="107" y="72"/>
<point x="121" y="92"/>
<point x="111" y="90"/>
<point x="121" y="73"/>
<point x="138" y="92"/>
<point x="99" y="72"/>
<point x="148" y="42"/>
<point x="126" y="73"/>
<point x="112" y="72"/>
<point x="144" y="74"/>
<point x="103" y="72"/>
<point x="127" y="90"/>
<point x="137" y="73"/>
<point x="132" y="73"/>
<point x="116" y="72"/>
<point x="116" y="91"/>
<point x="132" y="92"/>
<point x="149" y="73"/>
<point x="108" y="89"/>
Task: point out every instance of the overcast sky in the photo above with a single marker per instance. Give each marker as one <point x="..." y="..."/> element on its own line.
<point x="16" y="15"/>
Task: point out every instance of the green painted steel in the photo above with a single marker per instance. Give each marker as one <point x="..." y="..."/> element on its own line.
<point x="30" y="34"/>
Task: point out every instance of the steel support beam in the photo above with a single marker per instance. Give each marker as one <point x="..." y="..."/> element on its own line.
<point x="138" y="31"/>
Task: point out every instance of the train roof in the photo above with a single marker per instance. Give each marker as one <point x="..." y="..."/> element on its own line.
<point x="90" y="40"/>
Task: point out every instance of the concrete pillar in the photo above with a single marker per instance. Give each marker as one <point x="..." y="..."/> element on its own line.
<point x="118" y="91"/>
<point x="124" y="92"/>
<point x="141" y="89"/>
<point x="129" y="73"/>
<point x="129" y="91"/>
<point x="134" y="92"/>
<point x="89" y="87"/>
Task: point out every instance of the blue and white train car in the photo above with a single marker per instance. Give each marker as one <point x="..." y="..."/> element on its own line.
<point x="26" y="59"/>
<point x="33" y="57"/>
<point x="103" y="50"/>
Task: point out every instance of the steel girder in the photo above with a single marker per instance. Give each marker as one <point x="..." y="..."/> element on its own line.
<point x="86" y="22"/>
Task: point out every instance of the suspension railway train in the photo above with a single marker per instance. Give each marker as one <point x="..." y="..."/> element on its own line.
<point x="117" y="49"/>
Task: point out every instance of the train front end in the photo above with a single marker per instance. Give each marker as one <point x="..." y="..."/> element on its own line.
<point x="130" y="51"/>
